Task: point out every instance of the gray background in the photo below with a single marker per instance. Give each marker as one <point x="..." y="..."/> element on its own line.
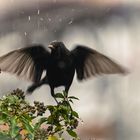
<point x="109" y="105"/>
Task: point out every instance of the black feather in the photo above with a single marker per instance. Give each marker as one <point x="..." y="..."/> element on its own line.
<point x="60" y="65"/>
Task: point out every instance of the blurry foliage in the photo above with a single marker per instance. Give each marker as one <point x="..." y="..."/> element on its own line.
<point x="21" y="121"/>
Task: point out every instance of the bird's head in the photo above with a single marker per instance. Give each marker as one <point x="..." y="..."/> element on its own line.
<point x="56" y="45"/>
<point x="58" y="49"/>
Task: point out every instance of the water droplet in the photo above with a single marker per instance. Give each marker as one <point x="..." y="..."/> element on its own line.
<point x="25" y="33"/>
<point x="29" y="18"/>
<point x="38" y="11"/>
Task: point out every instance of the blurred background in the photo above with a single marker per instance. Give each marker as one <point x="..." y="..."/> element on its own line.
<point x="109" y="105"/>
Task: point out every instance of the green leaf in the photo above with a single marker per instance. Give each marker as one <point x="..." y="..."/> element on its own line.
<point x="2" y="121"/>
<point x="72" y="133"/>
<point x="3" y="117"/>
<point x="18" y="137"/>
<point x="4" y="136"/>
<point x="27" y="125"/>
<point x="28" y="117"/>
<point x="65" y="103"/>
<point x="52" y="138"/>
<point x="59" y="95"/>
<point x="51" y="108"/>
<point x="58" y="128"/>
<point x="50" y="120"/>
<point x="73" y="97"/>
<point x="74" y="113"/>
<point x="13" y="99"/>
<point x="70" y="101"/>
<point x="61" y="116"/>
<point x="14" y="129"/>
<point x="65" y="93"/>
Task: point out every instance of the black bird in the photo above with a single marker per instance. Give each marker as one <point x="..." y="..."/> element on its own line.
<point x="60" y="64"/>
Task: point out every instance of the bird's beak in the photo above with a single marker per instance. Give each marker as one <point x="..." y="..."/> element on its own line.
<point x="51" y="47"/>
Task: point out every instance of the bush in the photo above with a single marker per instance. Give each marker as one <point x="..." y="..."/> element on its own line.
<point x="21" y="121"/>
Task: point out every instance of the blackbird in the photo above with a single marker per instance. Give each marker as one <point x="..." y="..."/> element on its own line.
<point x="59" y="64"/>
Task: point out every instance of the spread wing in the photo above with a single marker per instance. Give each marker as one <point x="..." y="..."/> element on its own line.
<point x="27" y="62"/>
<point x="89" y="62"/>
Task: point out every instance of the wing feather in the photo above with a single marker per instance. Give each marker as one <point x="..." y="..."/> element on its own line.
<point x="27" y="62"/>
<point x="89" y="62"/>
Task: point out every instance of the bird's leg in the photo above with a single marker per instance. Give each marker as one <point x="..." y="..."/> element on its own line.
<point x="67" y="90"/>
<point x="37" y="85"/>
<point x="53" y="95"/>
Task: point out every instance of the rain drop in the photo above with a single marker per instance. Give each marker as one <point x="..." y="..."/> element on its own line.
<point x="29" y="18"/>
<point x="25" y="33"/>
<point x="38" y="11"/>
